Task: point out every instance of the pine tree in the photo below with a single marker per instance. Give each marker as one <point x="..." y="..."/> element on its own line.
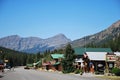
<point x="67" y="62"/>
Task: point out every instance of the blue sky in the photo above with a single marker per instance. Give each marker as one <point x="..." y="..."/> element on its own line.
<point x="46" y="18"/>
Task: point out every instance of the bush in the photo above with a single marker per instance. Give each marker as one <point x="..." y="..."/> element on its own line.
<point x="116" y="71"/>
<point x="68" y="70"/>
<point x="78" y="71"/>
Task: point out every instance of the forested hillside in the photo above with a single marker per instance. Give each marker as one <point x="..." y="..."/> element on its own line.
<point x="16" y="58"/>
<point x="114" y="44"/>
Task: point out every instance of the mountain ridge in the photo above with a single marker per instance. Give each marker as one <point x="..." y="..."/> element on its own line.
<point x="33" y="44"/>
<point x="36" y="44"/>
<point x="110" y="33"/>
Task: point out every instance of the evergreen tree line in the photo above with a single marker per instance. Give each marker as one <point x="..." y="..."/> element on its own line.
<point x="114" y="44"/>
<point x="16" y="58"/>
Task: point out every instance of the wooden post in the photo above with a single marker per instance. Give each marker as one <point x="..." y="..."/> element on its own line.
<point x="107" y="68"/>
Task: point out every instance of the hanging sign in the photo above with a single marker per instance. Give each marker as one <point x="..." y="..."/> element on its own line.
<point x="6" y="60"/>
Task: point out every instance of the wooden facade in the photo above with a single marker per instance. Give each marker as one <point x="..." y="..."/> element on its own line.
<point x="55" y="63"/>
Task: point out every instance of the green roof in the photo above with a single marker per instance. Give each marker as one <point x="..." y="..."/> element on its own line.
<point x="38" y="62"/>
<point x="81" y="51"/>
<point x="57" y="63"/>
<point x="56" y="56"/>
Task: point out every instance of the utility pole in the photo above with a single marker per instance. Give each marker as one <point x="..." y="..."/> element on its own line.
<point x="85" y="43"/>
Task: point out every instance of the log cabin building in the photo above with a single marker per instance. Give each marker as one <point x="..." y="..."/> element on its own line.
<point x="94" y="58"/>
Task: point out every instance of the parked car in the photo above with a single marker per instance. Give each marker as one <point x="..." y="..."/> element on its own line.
<point x="26" y="67"/>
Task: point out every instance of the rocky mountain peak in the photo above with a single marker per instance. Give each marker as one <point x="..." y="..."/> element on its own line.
<point x="115" y="25"/>
<point x="58" y="39"/>
<point x="60" y="35"/>
<point x="33" y="44"/>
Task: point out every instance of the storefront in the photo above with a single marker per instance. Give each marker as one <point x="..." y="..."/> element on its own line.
<point x="102" y="60"/>
<point x="96" y="57"/>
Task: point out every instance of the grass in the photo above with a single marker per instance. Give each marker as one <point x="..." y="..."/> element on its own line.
<point x="110" y="77"/>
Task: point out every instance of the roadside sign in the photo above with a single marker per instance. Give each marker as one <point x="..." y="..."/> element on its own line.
<point x="110" y="57"/>
<point x="6" y="60"/>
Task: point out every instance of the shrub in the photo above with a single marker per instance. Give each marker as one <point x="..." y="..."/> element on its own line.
<point x="116" y="71"/>
<point x="78" y="71"/>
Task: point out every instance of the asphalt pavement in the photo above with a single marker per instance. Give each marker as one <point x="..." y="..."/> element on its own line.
<point x="21" y="74"/>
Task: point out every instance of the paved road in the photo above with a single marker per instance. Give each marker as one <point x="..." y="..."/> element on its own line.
<point x="22" y="74"/>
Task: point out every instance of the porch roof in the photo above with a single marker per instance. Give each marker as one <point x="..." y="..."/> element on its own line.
<point x="97" y="56"/>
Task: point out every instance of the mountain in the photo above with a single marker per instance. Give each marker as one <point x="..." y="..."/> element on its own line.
<point x="101" y="37"/>
<point x="33" y="44"/>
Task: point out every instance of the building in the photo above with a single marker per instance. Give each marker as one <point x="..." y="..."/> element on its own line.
<point x="57" y="58"/>
<point x="87" y="59"/>
<point x="96" y="56"/>
<point x="55" y="63"/>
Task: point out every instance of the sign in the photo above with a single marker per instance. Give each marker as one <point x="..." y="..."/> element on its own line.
<point x="6" y="60"/>
<point x="110" y="65"/>
<point x="110" y="57"/>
